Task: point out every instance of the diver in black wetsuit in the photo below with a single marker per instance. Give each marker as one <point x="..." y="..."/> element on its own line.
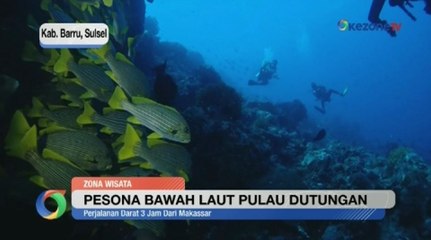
<point x="266" y="72"/>
<point x="324" y="95"/>
<point x="374" y="15"/>
<point x="377" y="6"/>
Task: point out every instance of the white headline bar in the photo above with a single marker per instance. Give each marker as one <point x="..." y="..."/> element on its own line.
<point x="232" y="199"/>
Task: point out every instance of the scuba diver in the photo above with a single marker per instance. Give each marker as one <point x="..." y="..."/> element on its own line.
<point x="266" y="72"/>
<point x="324" y="95"/>
<point x="377" y="6"/>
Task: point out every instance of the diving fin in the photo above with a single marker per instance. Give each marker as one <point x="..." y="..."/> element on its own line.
<point x="345" y="91"/>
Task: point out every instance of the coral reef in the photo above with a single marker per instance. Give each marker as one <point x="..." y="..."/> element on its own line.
<point x="220" y="101"/>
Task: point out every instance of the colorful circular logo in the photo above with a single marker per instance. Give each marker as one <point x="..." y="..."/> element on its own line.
<point x="343" y="25"/>
<point x="58" y="197"/>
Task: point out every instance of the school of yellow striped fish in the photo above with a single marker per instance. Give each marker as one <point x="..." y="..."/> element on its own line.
<point x="104" y="115"/>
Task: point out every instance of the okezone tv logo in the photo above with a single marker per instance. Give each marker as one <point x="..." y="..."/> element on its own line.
<point x="58" y="197"/>
<point x="343" y="25"/>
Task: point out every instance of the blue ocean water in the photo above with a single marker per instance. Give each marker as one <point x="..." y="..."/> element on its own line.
<point x="388" y="78"/>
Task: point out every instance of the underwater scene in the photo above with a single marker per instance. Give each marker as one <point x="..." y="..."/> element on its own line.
<point x="238" y="94"/>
